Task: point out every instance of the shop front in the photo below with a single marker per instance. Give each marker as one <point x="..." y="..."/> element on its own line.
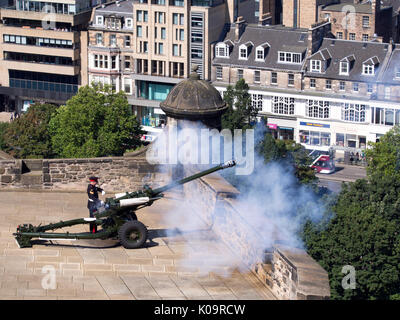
<point x="315" y="136"/>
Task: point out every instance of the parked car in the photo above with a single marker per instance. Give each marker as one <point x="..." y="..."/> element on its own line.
<point x="323" y="164"/>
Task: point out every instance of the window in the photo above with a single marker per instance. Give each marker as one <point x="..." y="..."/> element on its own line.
<point x="274" y="78"/>
<point x="113" y="40"/>
<point x="100" y="61"/>
<point x="175" y="50"/>
<point x="315" y="65"/>
<point x="368" y="70"/>
<point x="342" y="85"/>
<point x="222" y="50"/>
<point x="344" y="68"/>
<point x="240" y="74"/>
<point x="282" y="105"/>
<point x="243" y="53"/>
<point x="218" y="71"/>
<point x="317" y="109"/>
<point x="397" y="73"/>
<point x="181" y="19"/>
<point x="99" y="20"/>
<point x="328" y="84"/>
<point x="127" y="63"/>
<point x="312" y="83"/>
<point x="127" y="85"/>
<point x="365" y="37"/>
<point x="257" y="101"/>
<point x="355" y="86"/>
<point x="257" y="76"/>
<point x="352" y="36"/>
<point x="163" y="33"/>
<point x="315" y="138"/>
<point x="129" y="23"/>
<point x="145" y="47"/>
<point x="139" y="31"/>
<point x="339" y="35"/>
<point x="113" y="62"/>
<point x="160" y="48"/>
<point x="99" y="39"/>
<point x="369" y="88"/>
<point x="175" y="18"/>
<point x="353" y="112"/>
<point x="365" y="21"/>
<point x="127" y="41"/>
<point x="290" y="79"/>
<point x="260" y="54"/>
<point x="289" y="57"/>
<point x="181" y="35"/>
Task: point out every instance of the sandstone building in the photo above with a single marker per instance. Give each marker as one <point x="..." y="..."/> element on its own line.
<point x="317" y="90"/>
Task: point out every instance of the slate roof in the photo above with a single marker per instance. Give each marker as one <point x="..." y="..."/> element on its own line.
<point x="359" y="51"/>
<point x="123" y="8"/>
<point x="390" y="71"/>
<point x="359" y="8"/>
<point x="278" y="38"/>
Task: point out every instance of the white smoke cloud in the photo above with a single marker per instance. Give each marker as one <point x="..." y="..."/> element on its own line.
<point x="272" y="209"/>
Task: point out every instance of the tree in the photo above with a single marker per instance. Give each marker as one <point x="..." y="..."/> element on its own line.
<point x="289" y="152"/>
<point x="241" y="113"/>
<point x="3" y="129"/>
<point x="95" y="122"/>
<point x="28" y="136"/>
<point x="365" y="230"/>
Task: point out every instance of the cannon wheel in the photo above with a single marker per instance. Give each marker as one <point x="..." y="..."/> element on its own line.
<point x="132" y="234"/>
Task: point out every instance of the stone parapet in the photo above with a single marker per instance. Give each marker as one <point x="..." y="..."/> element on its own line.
<point x="115" y="173"/>
<point x="291" y="274"/>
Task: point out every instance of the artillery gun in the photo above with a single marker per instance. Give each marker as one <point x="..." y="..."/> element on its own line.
<point x="116" y="217"/>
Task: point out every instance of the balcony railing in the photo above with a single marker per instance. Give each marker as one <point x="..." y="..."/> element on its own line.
<point x="43" y="85"/>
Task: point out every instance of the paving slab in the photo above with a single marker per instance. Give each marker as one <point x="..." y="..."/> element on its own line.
<point x="102" y="269"/>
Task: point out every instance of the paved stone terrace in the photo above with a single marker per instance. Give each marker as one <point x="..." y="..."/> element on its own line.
<point x="103" y="269"/>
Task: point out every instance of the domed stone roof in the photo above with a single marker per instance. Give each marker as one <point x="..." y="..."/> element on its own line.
<point x="193" y="99"/>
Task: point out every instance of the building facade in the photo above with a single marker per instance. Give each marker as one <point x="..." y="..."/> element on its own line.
<point x="317" y="90"/>
<point x="43" y="51"/>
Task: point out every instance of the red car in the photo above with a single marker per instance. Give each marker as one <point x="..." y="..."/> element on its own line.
<point x="323" y="164"/>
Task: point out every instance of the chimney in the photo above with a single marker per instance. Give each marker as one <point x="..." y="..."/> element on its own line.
<point x="239" y="26"/>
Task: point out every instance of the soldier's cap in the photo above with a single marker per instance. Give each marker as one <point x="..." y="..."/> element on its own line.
<point x="93" y="179"/>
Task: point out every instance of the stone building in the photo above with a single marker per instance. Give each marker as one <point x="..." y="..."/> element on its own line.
<point x="110" y="45"/>
<point x="315" y="89"/>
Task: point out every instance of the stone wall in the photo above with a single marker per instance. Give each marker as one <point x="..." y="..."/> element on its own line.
<point x="289" y="273"/>
<point x="116" y="174"/>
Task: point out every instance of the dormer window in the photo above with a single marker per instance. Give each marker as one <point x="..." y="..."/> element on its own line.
<point x="397" y="73"/>
<point x="346" y="64"/>
<point x="222" y="50"/>
<point x="369" y="66"/>
<point x="368" y="70"/>
<point x="243" y="53"/>
<point x="244" y="50"/>
<point x="289" y="57"/>
<point x="344" y="68"/>
<point x="261" y="52"/>
<point x="315" y="65"/>
<point x="128" y="23"/>
<point x="99" y="20"/>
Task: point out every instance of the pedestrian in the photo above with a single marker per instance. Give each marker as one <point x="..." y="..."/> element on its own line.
<point x="12" y="117"/>
<point x="93" y="200"/>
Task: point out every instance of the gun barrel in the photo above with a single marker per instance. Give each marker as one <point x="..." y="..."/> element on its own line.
<point x="222" y="166"/>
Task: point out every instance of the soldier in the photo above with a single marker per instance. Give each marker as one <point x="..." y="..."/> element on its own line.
<point x="93" y="201"/>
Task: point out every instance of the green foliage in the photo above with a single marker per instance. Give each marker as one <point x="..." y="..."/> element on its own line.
<point x="290" y="152"/>
<point x="28" y="136"/>
<point x="95" y="122"/>
<point x="240" y="113"/>
<point x="365" y="229"/>
<point x="3" y="129"/>
<point x="384" y="156"/>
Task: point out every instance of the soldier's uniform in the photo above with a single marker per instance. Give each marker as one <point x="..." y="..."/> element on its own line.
<point x="93" y="201"/>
